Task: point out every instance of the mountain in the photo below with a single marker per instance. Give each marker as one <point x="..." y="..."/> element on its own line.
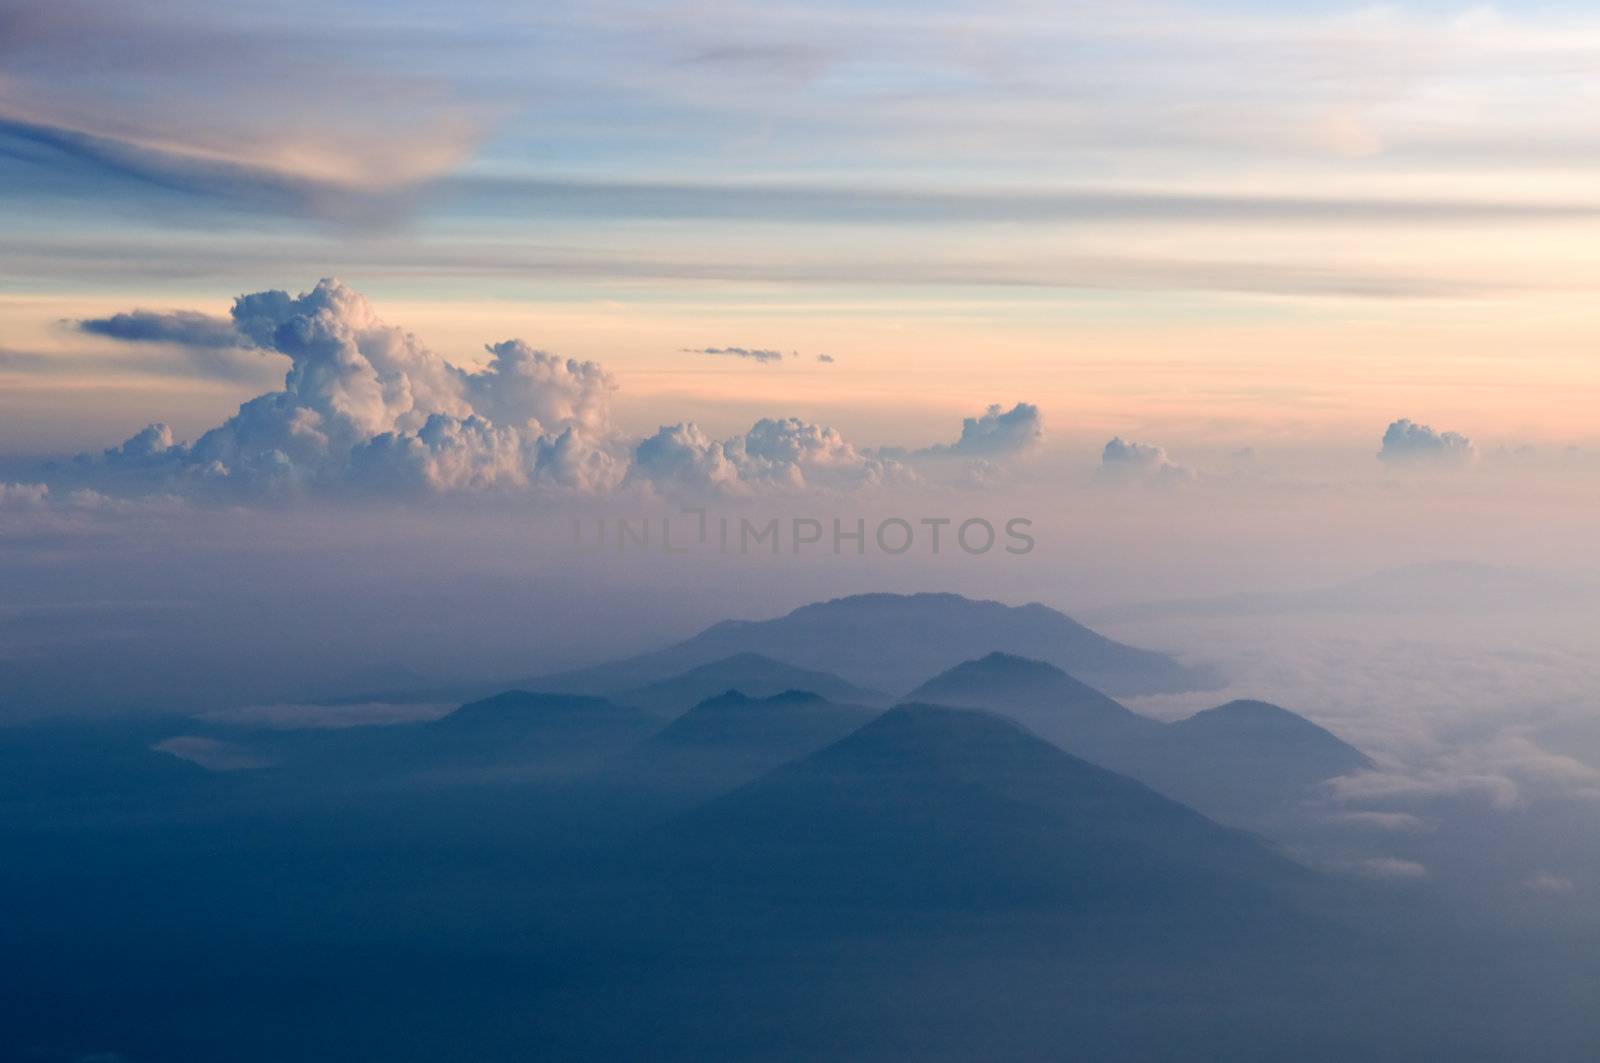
<point x="1046" y="700"/>
<point x="726" y="741"/>
<point x="1244" y="762"/>
<point x="894" y="641"/>
<point x="929" y="807"/>
<point x="749" y="673"/>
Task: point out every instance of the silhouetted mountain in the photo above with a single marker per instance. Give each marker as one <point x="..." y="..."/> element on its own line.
<point x="749" y="673"/>
<point x="726" y="741"/>
<point x="933" y="807"/>
<point x="1048" y="701"/>
<point x="894" y="641"/>
<point x="1244" y="762"/>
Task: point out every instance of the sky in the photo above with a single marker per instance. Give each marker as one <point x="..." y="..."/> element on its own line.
<point x="1212" y="226"/>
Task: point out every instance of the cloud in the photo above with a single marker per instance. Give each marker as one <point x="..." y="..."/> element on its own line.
<point x="1124" y="461"/>
<point x="366" y="406"/>
<point x="23" y="495"/>
<point x="997" y="432"/>
<point x="1385" y="821"/>
<point x="1547" y="885"/>
<point x="1406" y="442"/>
<point x="756" y="354"/>
<point x="296" y="121"/>
<point x="785" y="454"/>
<point x="364" y="402"/>
<point x="1391" y="868"/>
<point x="827" y="359"/>
<point x="185" y="327"/>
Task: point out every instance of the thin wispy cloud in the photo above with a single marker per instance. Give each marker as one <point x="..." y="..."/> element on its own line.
<point x="763" y="355"/>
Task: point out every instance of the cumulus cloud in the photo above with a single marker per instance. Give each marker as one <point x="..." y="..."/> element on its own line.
<point x="366" y="406"/>
<point x="826" y="359"/>
<point x="785" y="454"/>
<point x="754" y="354"/>
<point x="365" y="402"/>
<point x="997" y="432"/>
<point x="1406" y="442"/>
<point x="185" y="327"/>
<point x="1124" y="461"/>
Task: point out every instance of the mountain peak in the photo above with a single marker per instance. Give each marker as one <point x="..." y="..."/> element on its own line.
<point x="892" y="642"/>
<point x="1000" y="661"/>
<point x="1279" y="737"/>
<point x="930" y="805"/>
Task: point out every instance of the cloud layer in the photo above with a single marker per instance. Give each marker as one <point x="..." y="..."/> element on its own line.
<point x="365" y="406"/>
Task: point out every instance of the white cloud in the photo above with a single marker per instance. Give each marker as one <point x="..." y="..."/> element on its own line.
<point x="997" y="432"/>
<point x="1407" y="442"/>
<point x="365" y="405"/>
<point x="785" y="454"/>
<point x="1124" y="461"/>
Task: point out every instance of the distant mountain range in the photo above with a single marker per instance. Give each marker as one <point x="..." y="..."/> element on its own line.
<point x="892" y="642"/>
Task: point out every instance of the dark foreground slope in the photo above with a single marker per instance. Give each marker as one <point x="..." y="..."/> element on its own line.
<point x="936" y="885"/>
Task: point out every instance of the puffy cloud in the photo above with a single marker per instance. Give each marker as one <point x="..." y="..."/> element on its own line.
<point x="152" y="441"/>
<point x="365" y="405"/>
<point x="1122" y="460"/>
<point x="785" y="454"/>
<point x="826" y="359"/>
<point x="998" y="432"/>
<point x="533" y="389"/>
<point x="365" y="402"/>
<point x="682" y="456"/>
<point x="754" y="354"/>
<point x="1406" y="442"/>
<point x="185" y="327"/>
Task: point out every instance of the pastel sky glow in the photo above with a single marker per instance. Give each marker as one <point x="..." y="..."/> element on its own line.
<point x="1216" y="226"/>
